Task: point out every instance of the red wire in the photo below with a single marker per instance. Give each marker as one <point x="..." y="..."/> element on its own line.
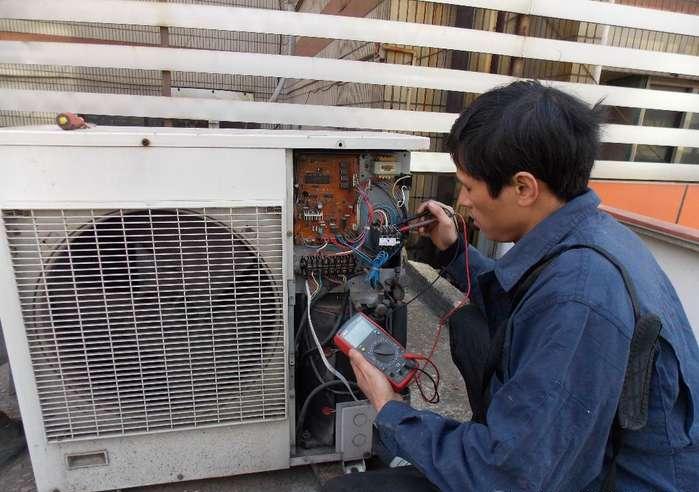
<point x="370" y="207"/>
<point x="467" y="295"/>
<point x="344" y="250"/>
<point x="442" y="321"/>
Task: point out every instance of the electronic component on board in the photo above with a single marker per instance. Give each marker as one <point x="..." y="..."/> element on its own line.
<point x="328" y="266"/>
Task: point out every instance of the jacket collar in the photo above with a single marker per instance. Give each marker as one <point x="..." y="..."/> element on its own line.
<point x="541" y="240"/>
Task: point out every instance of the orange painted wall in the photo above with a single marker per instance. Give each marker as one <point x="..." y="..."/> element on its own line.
<point x="689" y="216"/>
<point x="659" y="200"/>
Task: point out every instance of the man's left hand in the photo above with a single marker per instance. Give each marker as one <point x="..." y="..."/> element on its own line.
<point x="371" y="381"/>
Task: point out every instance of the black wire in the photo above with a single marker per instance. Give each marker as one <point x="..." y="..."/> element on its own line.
<point x="313" y="349"/>
<point x="302" y="325"/>
<point x="304" y="318"/>
<point x="435" y="396"/>
<point x="336" y="326"/>
<point x="338" y="321"/>
<point x="439" y="275"/>
<point x="311" y="395"/>
<point x="321" y="380"/>
<point x="404" y="209"/>
<point x="457" y="250"/>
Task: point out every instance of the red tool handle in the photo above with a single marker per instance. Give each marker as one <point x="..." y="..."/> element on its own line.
<point x="408" y="227"/>
<point x="70" y="121"/>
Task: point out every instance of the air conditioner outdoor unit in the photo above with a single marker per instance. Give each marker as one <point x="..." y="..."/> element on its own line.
<point x="148" y="279"/>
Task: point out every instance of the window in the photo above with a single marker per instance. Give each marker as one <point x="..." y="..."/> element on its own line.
<point x="665" y="119"/>
<point x="649" y="117"/>
<point x="690" y="155"/>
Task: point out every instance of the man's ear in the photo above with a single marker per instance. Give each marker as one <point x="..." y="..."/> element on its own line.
<point x="527" y="188"/>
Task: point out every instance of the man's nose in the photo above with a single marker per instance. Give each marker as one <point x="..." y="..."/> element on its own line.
<point x="464" y="200"/>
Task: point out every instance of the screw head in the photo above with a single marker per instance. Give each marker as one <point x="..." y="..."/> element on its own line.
<point x="145" y="142"/>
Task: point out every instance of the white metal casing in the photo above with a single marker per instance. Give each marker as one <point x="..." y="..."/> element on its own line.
<point x="50" y="170"/>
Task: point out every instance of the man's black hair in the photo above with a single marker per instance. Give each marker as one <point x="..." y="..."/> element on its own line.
<point x="525" y="126"/>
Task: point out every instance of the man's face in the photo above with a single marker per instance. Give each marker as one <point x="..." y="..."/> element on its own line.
<point x="499" y="218"/>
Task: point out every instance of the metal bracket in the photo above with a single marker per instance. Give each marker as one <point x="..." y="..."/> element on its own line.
<point x="354" y="466"/>
<point x="353" y="429"/>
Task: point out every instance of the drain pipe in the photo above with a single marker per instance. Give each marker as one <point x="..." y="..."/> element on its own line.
<point x="604" y="40"/>
<point x="290" y="52"/>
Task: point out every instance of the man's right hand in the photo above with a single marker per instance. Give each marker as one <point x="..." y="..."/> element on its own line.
<point x="442" y="232"/>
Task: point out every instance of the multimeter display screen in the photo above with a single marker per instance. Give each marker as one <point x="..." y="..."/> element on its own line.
<point x="357" y="330"/>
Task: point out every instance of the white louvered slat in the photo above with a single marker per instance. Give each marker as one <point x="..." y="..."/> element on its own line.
<point x="267" y="65"/>
<point x="440" y="162"/>
<point x="339" y="27"/>
<point x="295" y="114"/>
<point x="593" y="11"/>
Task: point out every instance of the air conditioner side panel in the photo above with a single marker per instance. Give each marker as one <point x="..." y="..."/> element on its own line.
<point x="125" y="176"/>
<point x="65" y="177"/>
<point x="168" y="457"/>
<point x="20" y="361"/>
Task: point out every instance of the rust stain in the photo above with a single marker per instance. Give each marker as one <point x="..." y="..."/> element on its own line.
<point x="51" y="38"/>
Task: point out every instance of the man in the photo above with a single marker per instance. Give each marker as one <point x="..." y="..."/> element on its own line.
<point x="524" y="154"/>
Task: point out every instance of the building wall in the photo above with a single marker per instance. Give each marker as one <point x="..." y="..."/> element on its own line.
<point x="681" y="264"/>
<point x="137" y="82"/>
<point x="677" y="203"/>
<point x="304" y="91"/>
<point x="371" y="95"/>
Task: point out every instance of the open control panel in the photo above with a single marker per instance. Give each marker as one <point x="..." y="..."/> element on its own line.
<point x="348" y="207"/>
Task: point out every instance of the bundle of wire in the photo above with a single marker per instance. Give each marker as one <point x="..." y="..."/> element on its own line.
<point x="319" y="346"/>
<point x="376" y="264"/>
<point x="400" y="202"/>
<point x="356" y="244"/>
<point x="442" y="321"/>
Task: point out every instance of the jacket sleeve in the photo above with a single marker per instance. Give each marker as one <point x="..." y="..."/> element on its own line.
<point x="550" y="420"/>
<point x="453" y="263"/>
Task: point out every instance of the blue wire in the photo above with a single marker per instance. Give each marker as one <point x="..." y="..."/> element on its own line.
<point x="356" y="251"/>
<point x="376" y="264"/>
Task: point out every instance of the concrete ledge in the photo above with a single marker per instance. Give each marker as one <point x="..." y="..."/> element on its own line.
<point x="441" y="297"/>
<point x="687" y="235"/>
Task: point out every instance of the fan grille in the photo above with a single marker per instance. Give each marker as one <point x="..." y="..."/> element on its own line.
<point x="152" y="319"/>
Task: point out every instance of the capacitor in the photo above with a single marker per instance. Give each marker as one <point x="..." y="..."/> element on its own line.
<point x="397" y="292"/>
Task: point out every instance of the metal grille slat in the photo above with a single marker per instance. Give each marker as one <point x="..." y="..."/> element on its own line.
<point x="152" y="319"/>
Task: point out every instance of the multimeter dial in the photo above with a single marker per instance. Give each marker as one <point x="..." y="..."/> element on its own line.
<point x="384" y="352"/>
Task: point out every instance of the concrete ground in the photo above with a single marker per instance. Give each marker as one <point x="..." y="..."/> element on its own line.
<point x="423" y="318"/>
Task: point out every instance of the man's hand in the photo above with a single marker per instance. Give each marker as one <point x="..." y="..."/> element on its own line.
<point x="442" y="232"/>
<point x="371" y="381"/>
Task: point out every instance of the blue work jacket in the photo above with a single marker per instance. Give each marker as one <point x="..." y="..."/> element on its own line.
<point x="556" y="394"/>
